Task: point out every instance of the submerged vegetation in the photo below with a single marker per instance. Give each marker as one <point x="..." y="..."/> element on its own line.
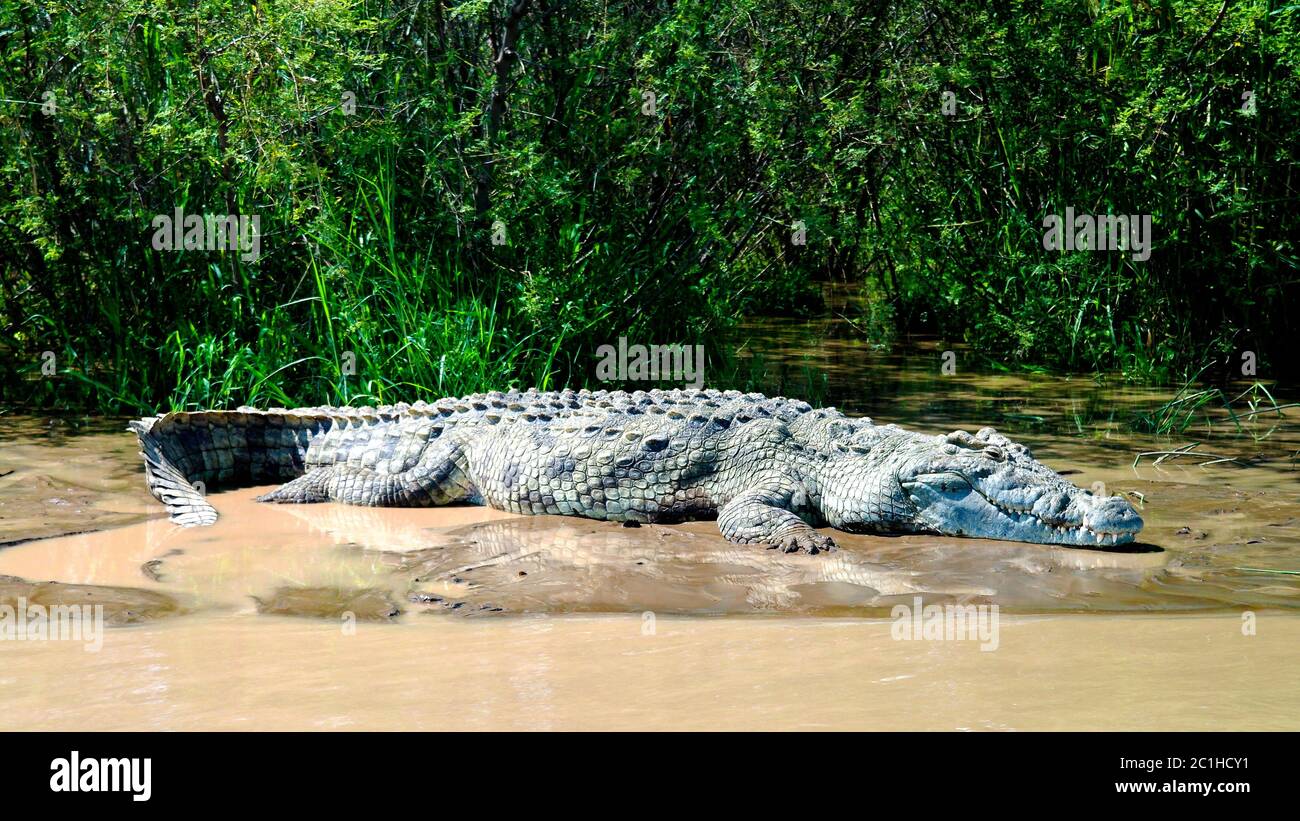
<point x="461" y="195"/>
<point x="1193" y="406"/>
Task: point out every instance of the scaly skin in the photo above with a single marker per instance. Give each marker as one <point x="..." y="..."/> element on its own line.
<point x="769" y="470"/>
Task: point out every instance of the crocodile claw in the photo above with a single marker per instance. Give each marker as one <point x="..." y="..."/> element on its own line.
<point x="804" y="541"/>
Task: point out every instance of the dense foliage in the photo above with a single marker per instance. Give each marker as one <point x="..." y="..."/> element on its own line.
<point x="459" y="195"/>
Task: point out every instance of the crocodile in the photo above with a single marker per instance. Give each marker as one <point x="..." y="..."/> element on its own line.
<point x="770" y="470"/>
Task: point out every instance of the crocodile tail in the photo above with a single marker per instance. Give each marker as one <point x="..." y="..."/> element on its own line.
<point x="167" y="483"/>
<point x="187" y="454"/>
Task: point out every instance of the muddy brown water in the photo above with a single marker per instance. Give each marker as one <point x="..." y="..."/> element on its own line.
<point x="327" y="616"/>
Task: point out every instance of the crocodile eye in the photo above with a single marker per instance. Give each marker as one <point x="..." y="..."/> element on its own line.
<point x="994" y="452"/>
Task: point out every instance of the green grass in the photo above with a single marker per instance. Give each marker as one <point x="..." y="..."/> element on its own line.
<point x="1209" y="406"/>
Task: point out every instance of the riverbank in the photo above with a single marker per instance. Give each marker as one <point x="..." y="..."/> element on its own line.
<point x="329" y="616"/>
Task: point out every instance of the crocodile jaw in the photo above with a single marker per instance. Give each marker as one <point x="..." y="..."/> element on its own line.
<point x="952" y="504"/>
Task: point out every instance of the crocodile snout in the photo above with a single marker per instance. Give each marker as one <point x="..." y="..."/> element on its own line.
<point x="1112" y="514"/>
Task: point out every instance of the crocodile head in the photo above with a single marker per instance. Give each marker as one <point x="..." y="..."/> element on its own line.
<point x="984" y="486"/>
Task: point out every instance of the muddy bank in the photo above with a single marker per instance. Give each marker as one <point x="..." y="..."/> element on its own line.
<point x="357" y="604"/>
<point x="121" y="605"/>
<point x="475" y="561"/>
<point x="63" y="476"/>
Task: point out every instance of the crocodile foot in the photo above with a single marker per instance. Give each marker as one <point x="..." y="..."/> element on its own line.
<point x="803" y="541"/>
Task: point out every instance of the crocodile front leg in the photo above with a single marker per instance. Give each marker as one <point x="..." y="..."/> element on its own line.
<point x="762" y="516"/>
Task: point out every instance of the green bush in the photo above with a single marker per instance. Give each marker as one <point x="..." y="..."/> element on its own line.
<point x="446" y="213"/>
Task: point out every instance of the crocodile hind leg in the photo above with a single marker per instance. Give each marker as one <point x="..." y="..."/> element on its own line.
<point x="439" y="480"/>
<point x="312" y="486"/>
<point x="762" y="516"/>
